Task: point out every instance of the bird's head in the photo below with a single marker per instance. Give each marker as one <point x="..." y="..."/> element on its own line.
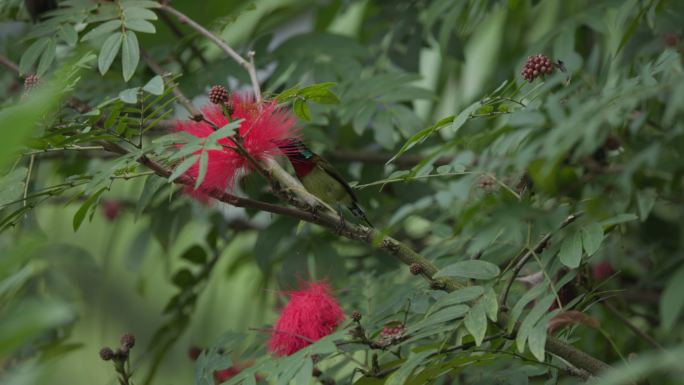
<point x="295" y="150"/>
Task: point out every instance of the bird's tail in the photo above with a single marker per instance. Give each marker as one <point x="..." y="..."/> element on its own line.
<point x="358" y="212"/>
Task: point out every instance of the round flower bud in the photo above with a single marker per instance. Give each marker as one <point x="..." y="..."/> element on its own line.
<point x="356" y="316"/>
<point x="106" y="354"/>
<point x="416" y="268"/>
<point x="538" y="65"/>
<point x="218" y="95"/>
<point x="127" y="341"/>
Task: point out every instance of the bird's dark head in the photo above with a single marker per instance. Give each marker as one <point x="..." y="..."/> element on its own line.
<point x="295" y="150"/>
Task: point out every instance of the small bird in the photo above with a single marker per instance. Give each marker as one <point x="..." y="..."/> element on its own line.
<point x="320" y="178"/>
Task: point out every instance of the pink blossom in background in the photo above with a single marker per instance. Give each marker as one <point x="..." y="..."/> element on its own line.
<point x="311" y="314"/>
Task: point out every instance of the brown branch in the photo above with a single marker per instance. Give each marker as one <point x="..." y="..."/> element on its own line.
<point x="4" y="60"/>
<point x="248" y="65"/>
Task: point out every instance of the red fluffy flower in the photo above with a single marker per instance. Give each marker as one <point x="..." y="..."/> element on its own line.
<point x="311" y="314"/>
<point x="262" y="127"/>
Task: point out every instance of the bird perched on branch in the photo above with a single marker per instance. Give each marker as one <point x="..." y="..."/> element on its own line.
<point x="320" y="178"/>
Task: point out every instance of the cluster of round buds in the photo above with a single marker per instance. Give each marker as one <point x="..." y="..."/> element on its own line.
<point x="415" y="268"/>
<point x="538" y="65"/>
<point x="31" y="81"/>
<point x="121" y="354"/>
<point x="218" y="95"/>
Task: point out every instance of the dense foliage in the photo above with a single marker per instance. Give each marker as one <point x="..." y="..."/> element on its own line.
<point x="525" y="156"/>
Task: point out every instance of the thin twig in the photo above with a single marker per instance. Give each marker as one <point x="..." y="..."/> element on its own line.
<point x="537" y="249"/>
<point x="65" y="148"/>
<point x="4" y="60"/>
<point x="246" y="64"/>
<point x="640" y="333"/>
<point x="28" y="178"/>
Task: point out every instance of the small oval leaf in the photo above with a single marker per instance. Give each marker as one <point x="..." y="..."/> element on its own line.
<point x="110" y="48"/>
<point x="474" y="269"/>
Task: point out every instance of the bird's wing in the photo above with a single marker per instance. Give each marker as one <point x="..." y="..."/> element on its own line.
<point x="330" y="170"/>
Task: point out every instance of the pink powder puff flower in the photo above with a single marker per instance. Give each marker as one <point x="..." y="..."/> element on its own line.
<point x="311" y="314"/>
<point x="262" y="127"/>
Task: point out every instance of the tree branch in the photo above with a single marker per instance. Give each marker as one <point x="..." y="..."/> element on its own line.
<point x="4" y="60"/>
<point x="246" y="64"/>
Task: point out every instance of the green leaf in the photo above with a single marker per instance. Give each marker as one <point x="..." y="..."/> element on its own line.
<point x="138" y="13"/>
<point x="225" y="131"/>
<point x="183" y="167"/>
<point x="85" y="207"/>
<point x="475" y="269"/>
<point x="459" y="296"/>
<point x="672" y="300"/>
<point x="645" y="202"/>
<point x="130" y="95"/>
<point x="304" y="374"/>
<point x="476" y="322"/>
<point x="537" y="341"/>
<point x="522" y="303"/>
<point x="140" y="25"/>
<point x="29" y="319"/>
<point x="319" y="93"/>
<point x="102" y="29"/>
<point x="422" y="135"/>
<point x="592" y="236"/>
<point x="130" y="55"/>
<point x="68" y="33"/>
<point x="110" y="48"/>
<point x="620" y="218"/>
<point x="152" y="184"/>
<point x="23" y="119"/>
<point x="183" y="278"/>
<point x="571" y="250"/>
<point x="47" y="58"/>
<point x="195" y="254"/>
<point x="531" y="320"/>
<point x="31" y="55"/>
<point x="446" y="314"/>
<point x="400" y="376"/>
<point x="301" y="109"/>
<point x="491" y="304"/>
<point x="155" y="86"/>
<point x="203" y="163"/>
<point x="12" y="185"/>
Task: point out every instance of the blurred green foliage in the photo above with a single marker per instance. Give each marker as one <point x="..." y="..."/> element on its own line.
<point x="422" y="105"/>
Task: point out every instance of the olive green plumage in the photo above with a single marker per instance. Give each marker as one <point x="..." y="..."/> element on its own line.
<point x="321" y="179"/>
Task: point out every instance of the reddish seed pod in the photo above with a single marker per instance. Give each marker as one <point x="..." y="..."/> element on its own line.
<point x="218" y="95"/>
<point x="536" y="66"/>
